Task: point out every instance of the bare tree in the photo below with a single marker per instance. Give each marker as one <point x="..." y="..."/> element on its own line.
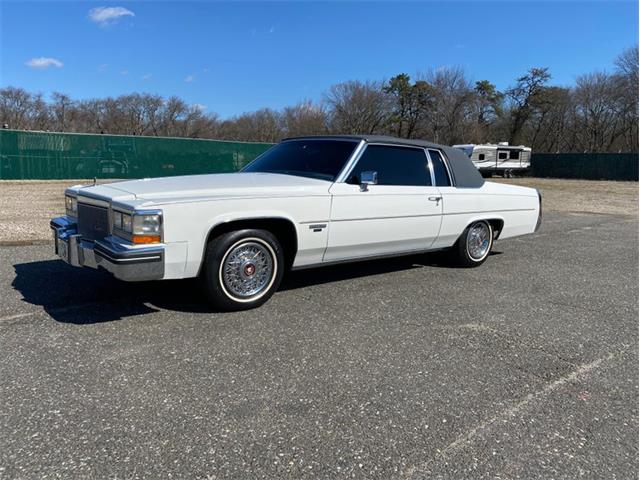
<point x="626" y="79"/>
<point x="599" y="123"/>
<point x="358" y="107"/>
<point x="550" y="127"/>
<point x="627" y="65"/>
<point x="260" y="126"/>
<point x="452" y="105"/>
<point x="304" y="118"/>
<point x="63" y="110"/>
<point x="16" y="107"/>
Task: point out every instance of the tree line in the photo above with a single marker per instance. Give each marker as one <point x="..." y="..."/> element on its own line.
<point x="597" y="114"/>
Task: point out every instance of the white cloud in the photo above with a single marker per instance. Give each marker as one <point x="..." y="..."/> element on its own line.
<point x="103" y="67"/>
<point x="190" y="78"/>
<point x="147" y="76"/>
<point x="199" y="107"/>
<point x="124" y="72"/>
<point x="104" y="16"/>
<point x="43" y="62"/>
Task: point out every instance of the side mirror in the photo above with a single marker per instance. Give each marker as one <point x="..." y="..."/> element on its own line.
<point x="366" y="179"/>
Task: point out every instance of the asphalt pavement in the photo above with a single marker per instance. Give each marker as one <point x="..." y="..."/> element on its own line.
<point x="526" y="367"/>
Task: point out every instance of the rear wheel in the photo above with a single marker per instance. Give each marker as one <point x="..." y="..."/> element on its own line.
<point x="474" y="245"/>
<point x="242" y="269"/>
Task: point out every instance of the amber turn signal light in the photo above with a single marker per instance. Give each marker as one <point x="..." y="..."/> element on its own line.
<point x="146" y="239"/>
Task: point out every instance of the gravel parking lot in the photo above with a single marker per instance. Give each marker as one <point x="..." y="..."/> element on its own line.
<point x="524" y="368"/>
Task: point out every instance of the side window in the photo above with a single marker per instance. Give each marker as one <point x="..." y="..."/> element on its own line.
<point x="395" y="166"/>
<point x="514" y="155"/>
<point x="439" y="169"/>
<point x="502" y="155"/>
<point x="481" y="156"/>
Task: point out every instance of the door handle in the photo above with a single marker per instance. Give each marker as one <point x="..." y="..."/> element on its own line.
<point x="435" y="199"/>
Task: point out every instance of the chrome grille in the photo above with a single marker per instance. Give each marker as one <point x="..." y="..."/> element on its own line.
<point x="93" y="222"/>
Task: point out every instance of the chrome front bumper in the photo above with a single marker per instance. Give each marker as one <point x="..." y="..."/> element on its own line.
<point x="121" y="259"/>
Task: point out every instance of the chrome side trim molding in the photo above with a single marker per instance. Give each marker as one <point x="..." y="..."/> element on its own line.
<point x="367" y="258"/>
<point x="431" y="215"/>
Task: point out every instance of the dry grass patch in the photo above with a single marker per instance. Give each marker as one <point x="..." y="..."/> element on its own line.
<point x="584" y="196"/>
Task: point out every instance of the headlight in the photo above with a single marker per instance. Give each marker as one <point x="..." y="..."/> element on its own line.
<point x="145" y="227"/>
<point x="126" y="223"/>
<point x="71" y="205"/>
<point x="146" y="224"/>
<point x="117" y="221"/>
<point x="122" y="221"/>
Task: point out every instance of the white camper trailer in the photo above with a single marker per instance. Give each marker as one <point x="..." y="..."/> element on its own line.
<point x="503" y="159"/>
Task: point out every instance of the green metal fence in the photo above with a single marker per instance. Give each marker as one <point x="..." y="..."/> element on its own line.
<point x="589" y="166"/>
<point x="44" y="155"/>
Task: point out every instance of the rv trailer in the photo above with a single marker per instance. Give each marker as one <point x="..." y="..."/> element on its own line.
<point x="502" y="159"/>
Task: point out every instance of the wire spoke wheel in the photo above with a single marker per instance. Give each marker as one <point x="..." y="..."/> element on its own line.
<point x="248" y="269"/>
<point x="479" y="241"/>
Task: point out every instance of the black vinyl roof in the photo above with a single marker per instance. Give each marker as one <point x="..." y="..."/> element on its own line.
<point x="464" y="172"/>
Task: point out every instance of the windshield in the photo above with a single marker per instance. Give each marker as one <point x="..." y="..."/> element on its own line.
<point x="321" y="159"/>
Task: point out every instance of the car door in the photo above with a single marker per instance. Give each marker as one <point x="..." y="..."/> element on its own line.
<point x="400" y="213"/>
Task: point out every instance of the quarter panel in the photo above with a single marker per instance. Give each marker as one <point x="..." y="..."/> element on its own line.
<point x="517" y="207"/>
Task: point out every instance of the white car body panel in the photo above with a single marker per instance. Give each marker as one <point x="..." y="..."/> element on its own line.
<point x="516" y="206"/>
<point x="334" y="221"/>
<point x="192" y="222"/>
<point x="382" y="220"/>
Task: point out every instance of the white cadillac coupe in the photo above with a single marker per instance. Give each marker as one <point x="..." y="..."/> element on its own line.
<point x="306" y="202"/>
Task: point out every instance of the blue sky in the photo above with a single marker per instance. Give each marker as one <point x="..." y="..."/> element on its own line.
<point x="234" y="57"/>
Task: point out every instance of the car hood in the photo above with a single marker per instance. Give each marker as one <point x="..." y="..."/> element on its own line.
<point x="200" y="187"/>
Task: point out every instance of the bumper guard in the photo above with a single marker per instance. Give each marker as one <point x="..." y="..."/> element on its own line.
<point x="120" y="258"/>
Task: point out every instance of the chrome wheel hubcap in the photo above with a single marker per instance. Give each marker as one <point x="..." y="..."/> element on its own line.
<point x="247" y="269"/>
<point x="478" y="241"/>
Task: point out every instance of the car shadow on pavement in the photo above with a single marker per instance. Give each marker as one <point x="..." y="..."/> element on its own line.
<point x="87" y="296"/>
<point x="365" y="268"/>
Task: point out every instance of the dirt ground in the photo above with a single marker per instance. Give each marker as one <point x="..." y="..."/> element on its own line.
<point x="583" y="196"/>
<point x="27" y="206"/>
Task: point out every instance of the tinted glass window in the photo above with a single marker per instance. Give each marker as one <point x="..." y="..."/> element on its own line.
<point x="514" y="154"/>
<point x="321" y="159"/>
<point x="395" y="165"/>
<point x="481" y="156"/>
<point x="502" y="155"/>
<point x="439" y="169"/>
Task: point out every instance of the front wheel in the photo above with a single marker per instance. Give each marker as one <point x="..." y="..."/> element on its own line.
<point x="474" y="245"/>
<point x="242" y="269"/>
